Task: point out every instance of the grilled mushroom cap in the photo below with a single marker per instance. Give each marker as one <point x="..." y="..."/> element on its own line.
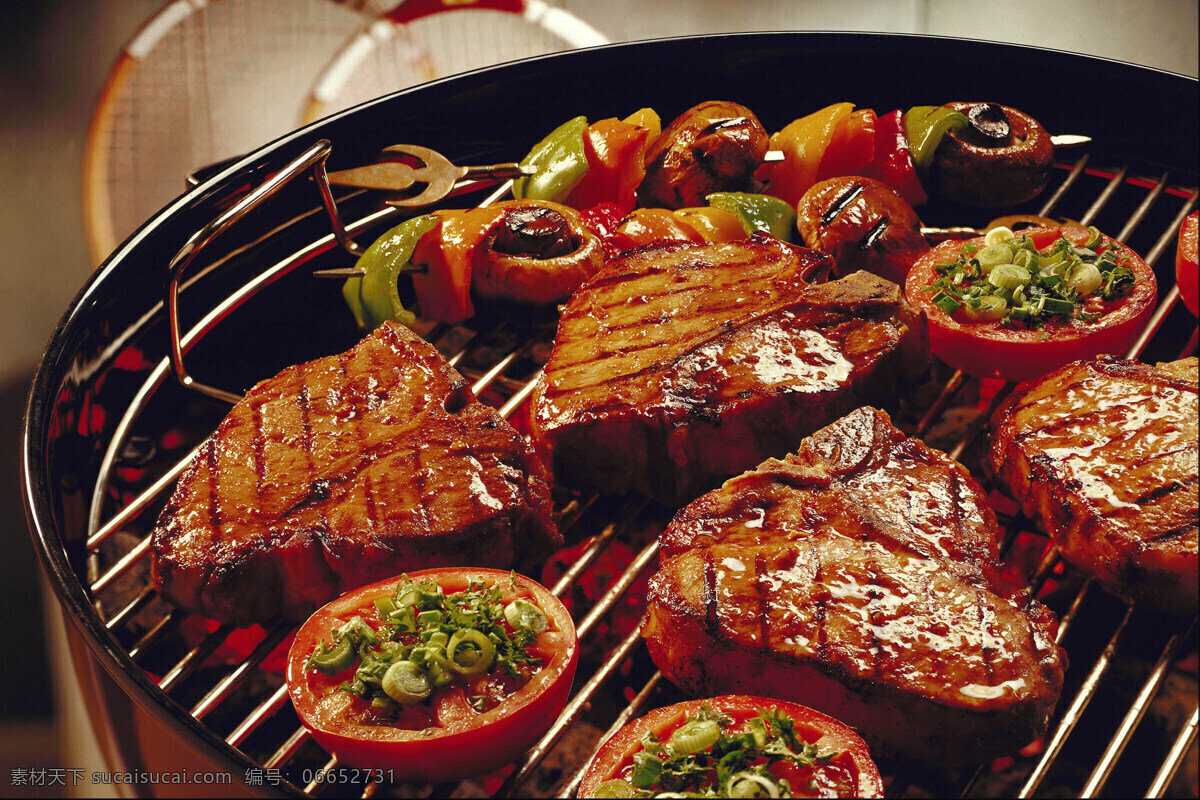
<point x="712" y="147"/>
<point x="1002" y="158"/>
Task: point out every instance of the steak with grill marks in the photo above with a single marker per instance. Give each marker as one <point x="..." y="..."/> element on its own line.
<point x="679" y="365"/>
<point x="858" y="576"/>
<point x="1103" y="455"/>
<point x="343" y="471"/>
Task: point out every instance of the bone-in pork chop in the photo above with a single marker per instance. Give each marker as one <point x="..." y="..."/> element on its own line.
<point x="1103" y="454"/>
<point x="678" y="365"/>
<point x="343" y="471"/>
<point x="858" y="576"/>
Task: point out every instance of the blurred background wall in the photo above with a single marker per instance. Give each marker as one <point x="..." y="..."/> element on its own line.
<point x="55" y="54"/>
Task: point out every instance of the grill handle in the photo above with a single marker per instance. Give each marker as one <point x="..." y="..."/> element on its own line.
<point x="314" y="158"/>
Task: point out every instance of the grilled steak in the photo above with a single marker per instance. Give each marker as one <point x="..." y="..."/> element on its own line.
<point x="858" y="576"/>
<point x="679" y="365"/>
<point x="343" y="471"/>
<point x="1103" y="455"/>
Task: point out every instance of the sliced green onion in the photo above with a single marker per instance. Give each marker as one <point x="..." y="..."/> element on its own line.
<point x="406" y="683"/>
<point x="758" y="729"/>
<point x="1025" y="259"/>
<point x="385" y="607"/>
<point x="748" y="784"/>
<point x="1095" y="238"/>
<point x="524" y="615"/>
<point x="437" y="666"/>
<point x="1054" y="265"/>
<point x="470" y="652"/>
<point x="614" y="788"/>
<point x="333" y="659"/>
<point x="1053" y="305"/>
<point x="696" y="735"/>
<point x="429" y="618"/>
<point x="993" y="256"/>
<point x="946" y="303"/>
<point x="997" y="236"/>
<point x="647" y="768"/>
<point x="421" y="595"/>
<point x="1085" y="278"/>
<point x="988" y="308"/>
<point x="1009" y="276"/>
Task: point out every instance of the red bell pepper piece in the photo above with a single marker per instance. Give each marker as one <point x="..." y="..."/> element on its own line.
<point x="603" y="219"/>
<point x="893" y="162"/>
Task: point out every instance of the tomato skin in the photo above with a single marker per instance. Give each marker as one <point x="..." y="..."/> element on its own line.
<point x="989" y="350"/>
<point x="474" y="744"/>
<point x="1186" y="269"/>
<point x="615" y="755"/>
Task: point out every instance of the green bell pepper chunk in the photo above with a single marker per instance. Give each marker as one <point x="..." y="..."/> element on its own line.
<point x="925" y="126"/>
<point x="375" y="296"/>
<point x="758" y="212"/>
<point x="561" y="164"/>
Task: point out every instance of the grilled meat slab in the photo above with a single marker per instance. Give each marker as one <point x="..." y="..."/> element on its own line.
<point x="679" y="365"/>
<point x="343" y="471"/>
<point x="858" y="576"/>
<point x="1103" y="455"/>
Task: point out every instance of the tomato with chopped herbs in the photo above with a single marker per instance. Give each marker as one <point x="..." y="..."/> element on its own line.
<point x="1057" y="295"/>
<point x="733" y="746"/>
<point x="436" y="675"/>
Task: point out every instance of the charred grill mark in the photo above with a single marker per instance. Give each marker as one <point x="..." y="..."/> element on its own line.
<point x="723" y="123"/>
<point x="303" y="401"/>
<point x="960" y="534"/>
<point x="875" y="593"/>
<point x="841" y="203"/>
<point x="616" y="279"/>
<point x="709" y="596"/>
<point x="1052" y="426"/>
<point x="214" y="487"/>
<point x="1167" y="489"/>
<point x="1166" y="536"/>
<point x="372" y="510"/>
<point x="318" y="489"/>
<point x="666" y="291"/>
<point x="1113" y="367"/>
<point x="257" y="445"/>
<point x="875" y="233"/>
<point x="822" y="604"/>
<point x="986" y="635"/>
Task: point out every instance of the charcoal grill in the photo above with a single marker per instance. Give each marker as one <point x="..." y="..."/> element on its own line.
<point x="114" y="411"/>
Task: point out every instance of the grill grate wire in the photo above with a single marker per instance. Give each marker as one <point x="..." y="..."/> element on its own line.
<point x="270" y="702"/>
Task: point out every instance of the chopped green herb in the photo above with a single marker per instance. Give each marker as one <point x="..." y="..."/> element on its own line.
<point x="704" y="758"/>
<point x="1036" y="285"/>
<point x="426" y="638"/>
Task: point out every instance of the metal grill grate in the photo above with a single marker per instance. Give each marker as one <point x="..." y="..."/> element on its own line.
<point x="1106" y="736"/>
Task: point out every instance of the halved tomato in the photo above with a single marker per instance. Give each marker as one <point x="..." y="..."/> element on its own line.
<point x="1018" y="353"/>
<point x="443" y="738"/>
<point x="1185" y="263"/>
<point x="843" y="769"/>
